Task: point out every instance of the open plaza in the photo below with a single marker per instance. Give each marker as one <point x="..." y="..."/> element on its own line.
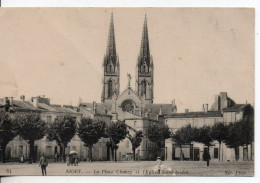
<point x="138" y="168"/>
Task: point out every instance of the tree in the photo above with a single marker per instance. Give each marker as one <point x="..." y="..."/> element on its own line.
<point x="90" y="131"/>
<point x="203" y="135"/>
<point x="219" y="132"/>
<point x="31" y="127"/>
<point x="7" y="131"/>
<point x="116" y="132"/>
<point x="158" y="133"/>
<point x="233" y="138"/>
<point x="63" y="129"/>
<point x="247" y="127"/>
<point x="135" y="140"/>
<point x="184" y="135"/>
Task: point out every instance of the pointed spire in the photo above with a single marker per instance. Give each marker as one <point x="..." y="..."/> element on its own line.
<point x="160" y="112"/>
<point x="144" y="49"/>
<point x="111" y="43"/>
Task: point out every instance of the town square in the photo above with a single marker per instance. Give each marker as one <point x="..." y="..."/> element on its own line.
<point x="127" y="92"/>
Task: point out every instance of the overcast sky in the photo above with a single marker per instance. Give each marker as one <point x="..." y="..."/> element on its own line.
<point x="197" y="53"/>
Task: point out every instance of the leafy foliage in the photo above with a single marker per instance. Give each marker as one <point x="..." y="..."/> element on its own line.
<point x="158" y="134"/>
<point x="233" y="138"/>
<point x="219" y="131"/>
<point x="30" y="126"/>
<point x="7" y="131"/>
<point x="135" y="140"/>
<point x="116" y="132"/>
<point x="90" y="131"/>
<point x="63" y="129"/>
<point x="203" y="135"/>
<point x="184" y="135"/>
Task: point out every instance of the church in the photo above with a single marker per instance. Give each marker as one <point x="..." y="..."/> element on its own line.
<point x="133" y="106"/>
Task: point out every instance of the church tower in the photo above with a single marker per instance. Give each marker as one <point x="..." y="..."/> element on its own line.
<point x="111" y="68"/>
<point x="144" y="68"/>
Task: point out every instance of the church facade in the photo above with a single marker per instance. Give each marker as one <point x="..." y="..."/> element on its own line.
<point x="133" y="106"/>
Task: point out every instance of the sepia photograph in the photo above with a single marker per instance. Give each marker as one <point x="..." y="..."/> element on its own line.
<point x="127" y="91"/>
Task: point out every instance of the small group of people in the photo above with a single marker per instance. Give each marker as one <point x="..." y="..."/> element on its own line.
<point x="159" y="167"/>
<point x="72" y="160"/>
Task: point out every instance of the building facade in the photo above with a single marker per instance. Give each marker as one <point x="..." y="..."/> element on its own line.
<point x="224" y="110"/>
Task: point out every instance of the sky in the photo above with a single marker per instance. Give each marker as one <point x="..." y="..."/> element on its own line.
<point x="197" y="52"/>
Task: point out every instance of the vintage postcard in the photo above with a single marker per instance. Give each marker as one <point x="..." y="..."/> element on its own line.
<point x="127" y="91"/>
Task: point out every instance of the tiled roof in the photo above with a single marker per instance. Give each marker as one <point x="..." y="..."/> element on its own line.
<point x="46" y="107"/>
<point x="24" y="105"/>
<point x="236" y="107"/>
<point x="195" y="114"/>
<point x="56" y="108"/>
<point x="155" y="108"/>
<point x="101" y="107"/>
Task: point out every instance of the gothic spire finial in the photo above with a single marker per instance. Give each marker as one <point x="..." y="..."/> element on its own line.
<point x="144" y="49"/>
<point x="111" y="44"/>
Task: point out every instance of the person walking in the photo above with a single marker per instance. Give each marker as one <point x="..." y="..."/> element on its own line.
<point x="68" y="160"/>
<point x="206" y="157"/>
<point x="76" y="161"/>
<point x="43" y="164"/>
<point x="159" y="164"/>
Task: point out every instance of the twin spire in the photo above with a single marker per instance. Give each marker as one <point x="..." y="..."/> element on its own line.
<point x="144" y="54"/>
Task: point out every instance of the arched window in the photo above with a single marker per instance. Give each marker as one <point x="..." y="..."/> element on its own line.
<point x="143" y="88"/>
<point x="144" y="68"/>
<point x="110" y="66"/>
<point x="110" y="89"/>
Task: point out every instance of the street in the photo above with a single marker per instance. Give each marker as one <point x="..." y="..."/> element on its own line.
<point x="142" y="168"/>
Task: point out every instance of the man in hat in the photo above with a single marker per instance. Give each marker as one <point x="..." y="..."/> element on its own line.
<point x="43" y="164"/>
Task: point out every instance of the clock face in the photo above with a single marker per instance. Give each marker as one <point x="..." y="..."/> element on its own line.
<point x="128" y="106"/>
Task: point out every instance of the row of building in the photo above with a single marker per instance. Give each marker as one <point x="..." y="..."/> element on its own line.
<point x="136" y="108"/>
<point x="223" y="110"/>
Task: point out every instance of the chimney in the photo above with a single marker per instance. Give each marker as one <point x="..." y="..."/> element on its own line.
<point x="173" y="102"/>
<point x="22" y="97"/>
<point x="217" y="103"/>
<point x="35" y="101"/>
<point x="206" y="108"/>
<point x="223" y="100"/>
<point x="160" y="112"/>
<point x="186" y="110"/>
<point x="94" y="107"/>
<point x="11" y="101"/>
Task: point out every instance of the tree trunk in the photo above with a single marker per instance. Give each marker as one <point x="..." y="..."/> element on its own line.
<point x="251" y="152"/>
<point x="63" y="153"/>
<point x="115" y="156"/>
<point x="3" y="147"/>
<point x="236" y="153"/>
<point x="90" y="154"/>
<point x="112" y="154"/>
<point x="133" y="149"/>
<point x="219" y="151"/>
<point x="247" y="152"/>
<point x="208" y="157"/>
<point x="60" y="157"/>
<point x="31" y="156"/>
<point x="181" y="154"/>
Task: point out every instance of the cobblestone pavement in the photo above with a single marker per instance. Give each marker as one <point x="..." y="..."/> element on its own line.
<point x="143" y="168"/>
